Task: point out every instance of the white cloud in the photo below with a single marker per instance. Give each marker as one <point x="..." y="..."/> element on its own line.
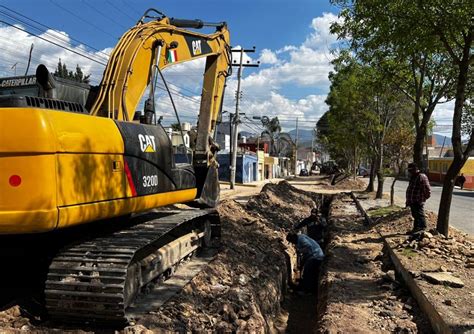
<point x="16" y="45"/>
<point x="265" y="89"/>
<point x="268" y="57"/>
<point x="321" y="37"/>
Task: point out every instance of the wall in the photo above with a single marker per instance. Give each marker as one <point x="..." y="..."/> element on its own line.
<point x="246" y="169"/>
<point x="439" y="166"/>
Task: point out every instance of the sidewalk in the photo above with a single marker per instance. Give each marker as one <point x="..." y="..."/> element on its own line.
<point x="437" y="270"/>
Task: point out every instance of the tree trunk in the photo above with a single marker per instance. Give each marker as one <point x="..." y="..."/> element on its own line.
<point x="392" y="190"/>
<point x="442" y="225"/>
<point x="379" y="169"/>
<point x="370" y="186"/>
<point x="460" y="157"/>
<point x="418" y="147"/>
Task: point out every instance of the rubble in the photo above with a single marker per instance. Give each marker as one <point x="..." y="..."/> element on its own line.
<point x="362" y="292"/>
<point x="242" y="289"/>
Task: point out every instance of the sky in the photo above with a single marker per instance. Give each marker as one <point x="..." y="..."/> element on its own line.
<point x="292" y="40"/>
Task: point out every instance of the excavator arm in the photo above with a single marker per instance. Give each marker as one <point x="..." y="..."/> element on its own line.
<point x="152" y="46"/>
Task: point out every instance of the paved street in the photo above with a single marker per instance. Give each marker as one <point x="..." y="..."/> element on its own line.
<point x="462" y="213"/>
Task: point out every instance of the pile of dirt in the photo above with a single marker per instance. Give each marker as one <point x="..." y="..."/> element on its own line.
<point x="283" y="205"/>
<point x="352" y="184"/>
<point x="240" y="290"/>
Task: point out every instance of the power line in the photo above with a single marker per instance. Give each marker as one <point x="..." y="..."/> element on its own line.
<point x="80" y="18"/>
<point x="126" y="4"/>
<point x="51" y="42"/>
<point x="43" y="32"/>
<point x="57" y="31"/>
<point x="104" y="15"/>
<point x="121" y="11"/>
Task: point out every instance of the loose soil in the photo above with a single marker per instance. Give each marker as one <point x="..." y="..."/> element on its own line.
<point x="431" y="252"/>
<point x="243" y="289"/>
<point x="360" y="293"/>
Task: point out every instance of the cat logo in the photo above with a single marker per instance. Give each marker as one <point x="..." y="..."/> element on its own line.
<point x="196" y="46"/>
<point x="147" y="143"/>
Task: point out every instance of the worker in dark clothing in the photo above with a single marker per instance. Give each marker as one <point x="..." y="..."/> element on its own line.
<point x="315" y="226"/>
<point x="310" y="257"/>
<point x="461" y="179"/>
<point x="418" y="192"/>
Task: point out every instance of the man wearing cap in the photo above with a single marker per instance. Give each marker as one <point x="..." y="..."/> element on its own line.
<point x="418" y="192"/>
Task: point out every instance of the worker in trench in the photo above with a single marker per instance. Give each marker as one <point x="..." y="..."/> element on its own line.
<point x="315" y="225"/>
<point x="310" y="257"/>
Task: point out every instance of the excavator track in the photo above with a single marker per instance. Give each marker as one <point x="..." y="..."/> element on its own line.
<point x="98" y="279"/>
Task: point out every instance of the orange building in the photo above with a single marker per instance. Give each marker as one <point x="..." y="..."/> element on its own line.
<point x="439" y="166"/>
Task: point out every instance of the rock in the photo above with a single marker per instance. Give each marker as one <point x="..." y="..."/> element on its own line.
<point x="390" y="275"/>
<point x="442" y="269"/>
<point x="443" y="278"/>
<point x="470" y="265"/>
<point x="427" y="235"/>
<point x="137" y="329"/>
<point x="14" y="311"/>
<point x="407" y="307"/>
<point x="219" y="288"/>
<point x="448" y="302"/>
<point x="243" y="279"/>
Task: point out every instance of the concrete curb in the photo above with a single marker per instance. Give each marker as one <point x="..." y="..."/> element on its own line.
<point x="439" y="325"/>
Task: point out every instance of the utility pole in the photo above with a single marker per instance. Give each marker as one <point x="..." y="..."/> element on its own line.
<point x="296" y="146"/>
<point x="236" y="116"/>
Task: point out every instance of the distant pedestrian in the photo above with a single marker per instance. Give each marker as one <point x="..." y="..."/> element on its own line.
<point x="315" y="226"/>
<point x="418" y="192"/>
<point x="310" y="256"/>
<point x="461" y="179"/>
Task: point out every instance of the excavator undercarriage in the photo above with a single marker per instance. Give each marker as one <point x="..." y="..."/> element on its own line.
<point x="99" y="279"/>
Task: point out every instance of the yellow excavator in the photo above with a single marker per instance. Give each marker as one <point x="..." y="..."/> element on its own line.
<point x="64" y="164"/>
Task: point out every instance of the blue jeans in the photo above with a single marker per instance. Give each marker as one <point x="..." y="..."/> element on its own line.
<point x="310" y="274"/>
<point x="418" y="213"/>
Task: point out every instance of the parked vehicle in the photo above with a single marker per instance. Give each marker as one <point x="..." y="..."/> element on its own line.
<point x="364" y="172"/>
<point x="304" y="172"/>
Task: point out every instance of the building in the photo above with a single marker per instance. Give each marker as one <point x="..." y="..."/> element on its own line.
<point x="246" y="168"/>
<point x="439" y="166"/>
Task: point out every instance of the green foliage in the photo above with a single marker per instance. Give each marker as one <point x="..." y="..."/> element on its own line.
<point x="175" y="127"/>
<point x="62" y="72"/>
<point x="384" y="211"/>
<point x="427" y="48"/>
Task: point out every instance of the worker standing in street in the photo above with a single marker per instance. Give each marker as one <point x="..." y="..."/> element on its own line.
<point x="310" y="256"/>
<point x="461" y="180"/>
<point x="418" y="192"/>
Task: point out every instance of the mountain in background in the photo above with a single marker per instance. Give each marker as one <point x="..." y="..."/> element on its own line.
<point x="303" y="135"/>
<point x="439" y="140"/>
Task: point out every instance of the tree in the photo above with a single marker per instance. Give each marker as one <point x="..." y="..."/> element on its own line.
<point x="175" y="127"/>
<point x="383" y="35"/>
<point x="453" y="24"/>
<point x="272" y="130"/>
<point x="363" y="105"/>
<point x="438" y="36"/>
<point x="62" y="72"/>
